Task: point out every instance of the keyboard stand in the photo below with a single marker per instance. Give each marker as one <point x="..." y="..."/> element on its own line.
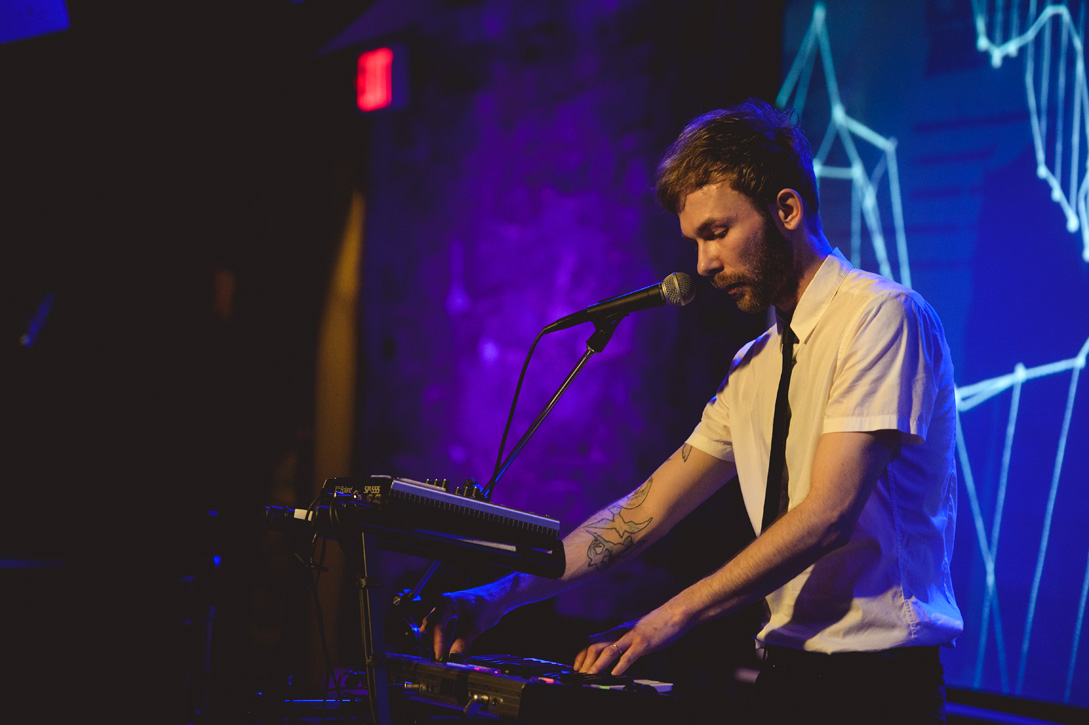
<point x="374" y="639"/>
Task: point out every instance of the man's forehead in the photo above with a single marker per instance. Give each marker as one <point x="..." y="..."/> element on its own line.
<point x="693" y="199"/>
<point x="710" y="203"/>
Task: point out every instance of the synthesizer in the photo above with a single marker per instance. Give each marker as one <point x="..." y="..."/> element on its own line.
<point x="439" y="506"/>
<point x="432" y="519"/>
<point x="531" y="691"/>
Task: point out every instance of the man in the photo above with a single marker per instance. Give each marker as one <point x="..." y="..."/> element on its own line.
<point x="856" y="518"/>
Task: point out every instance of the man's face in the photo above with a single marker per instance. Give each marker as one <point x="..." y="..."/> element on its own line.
<point x="741" y="249"/>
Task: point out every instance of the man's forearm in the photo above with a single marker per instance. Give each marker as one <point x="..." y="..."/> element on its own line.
<point x="767" y="563"/>
<point x="846" y="468"/>
<point x="614" y="534"/>
<point x="610" y="536"/>
<point x="625" y="528"/>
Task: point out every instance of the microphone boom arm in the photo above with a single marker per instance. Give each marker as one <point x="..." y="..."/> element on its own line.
<point x="603" y="332"/>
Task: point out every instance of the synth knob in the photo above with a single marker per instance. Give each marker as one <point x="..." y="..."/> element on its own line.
<point x="473" y="489"/>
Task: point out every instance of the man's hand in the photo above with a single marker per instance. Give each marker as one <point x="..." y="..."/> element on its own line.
<point x="621" y="646"/>
<point x="460" y="617"/>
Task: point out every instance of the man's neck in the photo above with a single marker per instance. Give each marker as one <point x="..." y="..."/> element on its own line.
<point x="810" y="252"/>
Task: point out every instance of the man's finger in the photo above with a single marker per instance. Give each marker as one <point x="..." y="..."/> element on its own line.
<point x="590" y="657"/>
<point x="437" y="621"/>
<point x="608" y="655"/>
<point x="439" y="636"/>
<point x="611" y="655"/>
<point x="579" y="658"/>
<point x="460" y="646"/>
<point x="625" y="660"/>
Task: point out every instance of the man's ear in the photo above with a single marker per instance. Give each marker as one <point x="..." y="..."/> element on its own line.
<point x="789" y="209"/>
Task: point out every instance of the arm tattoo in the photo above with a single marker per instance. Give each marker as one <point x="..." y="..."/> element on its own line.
<point x="639" y="495"/>
<point x="684" y="451"/>
<point x="613" y="536"/>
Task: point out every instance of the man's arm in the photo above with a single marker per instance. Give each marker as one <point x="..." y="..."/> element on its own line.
<point x="621" y="530"/>
<point x="846" y="468"/>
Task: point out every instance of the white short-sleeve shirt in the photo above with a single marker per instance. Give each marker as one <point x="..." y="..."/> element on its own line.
<point x="871" y="355"/>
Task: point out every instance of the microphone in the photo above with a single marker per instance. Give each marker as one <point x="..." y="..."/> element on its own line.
<point x="675" y="290"/>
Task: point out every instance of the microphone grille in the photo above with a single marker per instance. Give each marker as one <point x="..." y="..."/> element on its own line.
<point x="678" y="289"/>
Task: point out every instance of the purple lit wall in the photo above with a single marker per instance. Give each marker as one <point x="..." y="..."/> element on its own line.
<point x="517" y="188"/>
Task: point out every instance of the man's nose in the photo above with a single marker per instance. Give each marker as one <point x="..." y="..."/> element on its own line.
<point x="707" y="262"/>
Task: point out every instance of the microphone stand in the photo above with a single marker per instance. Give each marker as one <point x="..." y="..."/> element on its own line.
<point x="603" y="332"/>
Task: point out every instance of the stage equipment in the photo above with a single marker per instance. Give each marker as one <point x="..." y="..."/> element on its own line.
<point x="459" y="523"/>
<point x="430" y="519"/>
<point x="532" y="691"/>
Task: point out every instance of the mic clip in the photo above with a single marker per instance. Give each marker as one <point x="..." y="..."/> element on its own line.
<point x="603" y="331"/>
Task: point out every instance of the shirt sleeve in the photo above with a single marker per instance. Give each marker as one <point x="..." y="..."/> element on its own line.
<point x="885" y="371"/>
<point x="712" y="434"/>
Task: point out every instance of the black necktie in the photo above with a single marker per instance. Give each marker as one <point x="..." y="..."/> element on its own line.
<point x="775" y="499"/>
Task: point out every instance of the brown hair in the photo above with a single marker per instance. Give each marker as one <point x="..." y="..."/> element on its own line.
<point x="757" y="148"/>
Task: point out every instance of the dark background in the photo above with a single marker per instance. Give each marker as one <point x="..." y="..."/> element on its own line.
<point x="178" y="184"/>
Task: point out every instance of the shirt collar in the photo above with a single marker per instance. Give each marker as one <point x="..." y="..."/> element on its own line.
<point x="817" y="296"/>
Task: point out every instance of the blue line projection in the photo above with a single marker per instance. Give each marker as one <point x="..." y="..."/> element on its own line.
<point x="969" y="397"/>
<point x="1001" y="38"/>
<point x="999" y="33"/>
<point x="842" y="127"/>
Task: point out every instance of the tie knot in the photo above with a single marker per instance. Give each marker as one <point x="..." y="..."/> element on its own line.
<point x="789" y="338"/>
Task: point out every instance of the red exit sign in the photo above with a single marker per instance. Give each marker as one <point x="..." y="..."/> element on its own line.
<point x="378" y="79"/>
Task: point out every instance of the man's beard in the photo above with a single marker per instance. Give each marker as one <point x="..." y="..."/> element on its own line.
<point x="771" y="273"/>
